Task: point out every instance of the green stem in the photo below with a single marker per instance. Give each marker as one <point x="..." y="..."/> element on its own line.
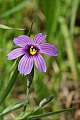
<point x="29" y="81"/>
<point x="27" y="100"/>
<point x="30" y="28"/>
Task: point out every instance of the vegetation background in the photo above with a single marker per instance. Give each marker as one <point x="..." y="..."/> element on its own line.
<point x="60" y="20"/>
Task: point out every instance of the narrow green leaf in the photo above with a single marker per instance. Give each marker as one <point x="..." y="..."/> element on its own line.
<point x="15" y="9"/>
<point x="70" y="50"/>
<point x="4" y="27"/>
<point x="8" y="28"/>
<point x="49" y="113"/>
<point x="75" y="5"/>
<point x="12" y="107"/>
<point x="10" y="85"/>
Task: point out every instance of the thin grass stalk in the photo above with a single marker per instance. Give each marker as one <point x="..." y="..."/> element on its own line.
<point x="75" y="5"/>
<point x="70" y="50"/>
<point x="15" y="9"/>
<point x="48" y="114"/>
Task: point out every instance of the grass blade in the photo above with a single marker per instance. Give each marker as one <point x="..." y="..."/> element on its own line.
<point x="9" y="86"/>
<point x="49" y="114"/>
<point x="15" y="9"/>
<point x="9" y="28"/>
<point x="74" y="13"/>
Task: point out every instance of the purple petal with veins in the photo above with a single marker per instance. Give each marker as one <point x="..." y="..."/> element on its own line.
<point x="15" y="53"/>
<point x="39" y="38"/>
<point x="22" y="40"/>
<point x="40" y="63"/>
<point x="48" y="49"/>
<point x="26" y="64"/>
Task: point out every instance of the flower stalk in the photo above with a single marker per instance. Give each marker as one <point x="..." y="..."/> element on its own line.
<point x="29" y="82"/>
<point x="29" y="76"/>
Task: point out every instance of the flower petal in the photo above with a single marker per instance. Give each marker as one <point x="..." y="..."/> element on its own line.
<point x="39" y="38"/>
<point x="22" y="40"/>
<point x="48" y="49"/>
<point x="26" y="64"/>
<point x="40" y="63"/>
<point x="15" y="53"/>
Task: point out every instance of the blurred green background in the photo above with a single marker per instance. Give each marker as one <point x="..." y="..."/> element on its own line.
<point x="60" y="20"/>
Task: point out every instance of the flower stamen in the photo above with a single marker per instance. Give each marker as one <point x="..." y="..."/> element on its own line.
<point x="32" y="51"/>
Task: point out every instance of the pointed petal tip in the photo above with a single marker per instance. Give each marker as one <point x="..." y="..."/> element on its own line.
<point x="56" y="52"/>
<point x="9" y="58"/>
<point x="40" y="34"/>
<point x="15" y="53"/>
<point x="48" y="49"/>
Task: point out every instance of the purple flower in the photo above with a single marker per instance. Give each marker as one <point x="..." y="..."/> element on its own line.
<point x="30" y="52"/>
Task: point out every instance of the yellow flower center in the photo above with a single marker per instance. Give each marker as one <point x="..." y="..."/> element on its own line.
<point x="32" y="51"/>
